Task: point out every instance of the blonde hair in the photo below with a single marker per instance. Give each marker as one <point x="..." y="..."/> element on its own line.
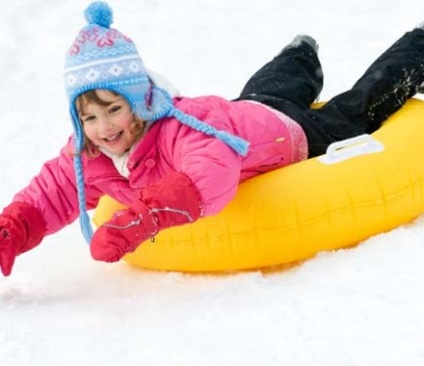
<point x="92" y="97"/>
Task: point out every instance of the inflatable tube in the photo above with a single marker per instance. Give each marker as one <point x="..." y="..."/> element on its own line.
<point x="292" y="213"/>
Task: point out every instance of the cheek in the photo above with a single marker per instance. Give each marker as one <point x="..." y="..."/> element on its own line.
<point x="125" y="121"/>
<point x="89" y="131"/>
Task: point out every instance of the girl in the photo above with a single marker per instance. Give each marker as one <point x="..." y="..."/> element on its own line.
<point x="174" y="160"/>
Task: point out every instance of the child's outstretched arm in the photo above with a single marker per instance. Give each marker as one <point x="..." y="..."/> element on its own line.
<point x="22" y="227"/>
<point x="45" y="206"/>
<point x="53" y="191"/>
<point x="171" y="201"/>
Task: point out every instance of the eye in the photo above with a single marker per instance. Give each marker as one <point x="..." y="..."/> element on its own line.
<point x="88" y="119"/>
<point x="114" y="108"/>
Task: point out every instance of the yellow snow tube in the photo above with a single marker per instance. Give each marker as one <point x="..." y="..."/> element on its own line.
<point x="292" y="213"/>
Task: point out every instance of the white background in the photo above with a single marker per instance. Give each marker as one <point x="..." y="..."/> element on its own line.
<point x="362" y="306"/>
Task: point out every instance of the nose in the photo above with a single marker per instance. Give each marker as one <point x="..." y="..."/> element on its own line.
<point x="105" y="125"/>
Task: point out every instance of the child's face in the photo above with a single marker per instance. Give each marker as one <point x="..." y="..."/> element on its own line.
<point x="109" y="127"/>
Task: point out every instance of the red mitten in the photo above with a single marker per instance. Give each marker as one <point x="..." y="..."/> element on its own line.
<point x="21" y="228"/>
<point x="171" y="201"/>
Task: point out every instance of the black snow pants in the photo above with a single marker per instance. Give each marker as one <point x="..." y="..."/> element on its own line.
<point x="292" y="81"/>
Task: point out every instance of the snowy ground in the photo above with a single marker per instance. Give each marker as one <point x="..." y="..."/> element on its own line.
<point x="362" y="306"/>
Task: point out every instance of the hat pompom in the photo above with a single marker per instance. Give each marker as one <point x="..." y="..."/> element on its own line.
<point x="99" y="13"/>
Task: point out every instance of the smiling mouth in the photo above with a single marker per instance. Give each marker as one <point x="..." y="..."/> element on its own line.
<point x="113" y="137"/>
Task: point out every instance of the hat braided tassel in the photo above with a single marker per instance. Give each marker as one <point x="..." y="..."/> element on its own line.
<point x="238" y="144"/>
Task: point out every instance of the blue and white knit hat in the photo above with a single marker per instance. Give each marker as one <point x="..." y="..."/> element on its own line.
<point x="103" y="58"/>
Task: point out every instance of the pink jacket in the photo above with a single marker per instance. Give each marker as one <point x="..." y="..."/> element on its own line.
<point x="215" y="169"/>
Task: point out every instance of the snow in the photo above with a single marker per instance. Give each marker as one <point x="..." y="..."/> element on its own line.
<point x="360" y="306"/>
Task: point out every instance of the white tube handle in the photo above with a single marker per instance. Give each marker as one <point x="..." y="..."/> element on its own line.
<point x="349" y="148"/>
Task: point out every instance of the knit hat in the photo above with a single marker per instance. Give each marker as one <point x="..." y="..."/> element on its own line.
<point x="103" y="58"/>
